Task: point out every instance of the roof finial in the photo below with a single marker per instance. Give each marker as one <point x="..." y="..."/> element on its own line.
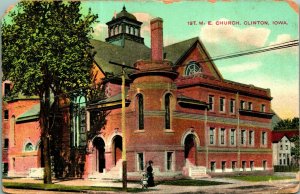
<point x="124" y="8"/>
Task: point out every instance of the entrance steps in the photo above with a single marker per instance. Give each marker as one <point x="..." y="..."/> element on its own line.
<point x="115" y="173"/>
<point x="195" y="172"/>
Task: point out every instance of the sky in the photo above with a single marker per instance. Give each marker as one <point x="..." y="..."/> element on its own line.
<point x="277" y="70"/>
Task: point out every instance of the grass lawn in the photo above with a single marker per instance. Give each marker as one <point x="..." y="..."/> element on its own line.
<point x="58" y="187"/>
<point x="188" y="182"/>
<point x="257" y="178"/>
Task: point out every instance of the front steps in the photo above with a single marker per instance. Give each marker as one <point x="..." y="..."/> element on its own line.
<point x="195" y="172"/>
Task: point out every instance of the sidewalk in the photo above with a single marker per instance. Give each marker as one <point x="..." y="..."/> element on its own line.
<point x="235" y="186"/>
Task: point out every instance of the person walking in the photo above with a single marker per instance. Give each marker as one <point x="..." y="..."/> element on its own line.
<point x="150" y="174"/>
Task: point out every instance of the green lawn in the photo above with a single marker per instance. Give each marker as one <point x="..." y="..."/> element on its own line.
<point x="257" y="178"/>
<point x="188" y="182"/>
<point x="58" y="187"/>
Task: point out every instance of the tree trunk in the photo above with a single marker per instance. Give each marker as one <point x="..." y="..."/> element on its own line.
<point x="45" y="123"/>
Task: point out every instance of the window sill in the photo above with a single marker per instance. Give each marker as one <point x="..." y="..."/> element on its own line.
<point x="169" y="131"/>
<point x="139" y="131"/>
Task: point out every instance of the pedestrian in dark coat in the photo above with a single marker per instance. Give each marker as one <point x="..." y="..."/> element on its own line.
<point x="150" y="174"/>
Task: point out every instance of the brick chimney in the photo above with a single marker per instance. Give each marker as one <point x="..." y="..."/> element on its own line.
<point x="156" y="39"/>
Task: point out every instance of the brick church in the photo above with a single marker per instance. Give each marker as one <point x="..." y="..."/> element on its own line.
<point x="180" y="113"/>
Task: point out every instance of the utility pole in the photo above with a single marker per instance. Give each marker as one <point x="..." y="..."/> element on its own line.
<point x="123" y="125"/>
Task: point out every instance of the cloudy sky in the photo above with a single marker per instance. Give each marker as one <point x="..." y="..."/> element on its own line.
<point x="277" y="70"/>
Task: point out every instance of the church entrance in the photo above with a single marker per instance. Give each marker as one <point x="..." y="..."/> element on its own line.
<point x="117" y="149"/>
<point x="99" y="144"/>
<point x="190" y="149"/>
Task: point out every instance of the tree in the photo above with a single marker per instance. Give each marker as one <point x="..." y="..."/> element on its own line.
<point x="287" y="124"/>
<point x="46" y="49"/>
<point x="295" y="152"/>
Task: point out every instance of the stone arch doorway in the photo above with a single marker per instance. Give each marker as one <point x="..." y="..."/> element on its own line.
<point x="99" y="144"/>
<point x="117" y="149"/>
<point x="190" y="149"/>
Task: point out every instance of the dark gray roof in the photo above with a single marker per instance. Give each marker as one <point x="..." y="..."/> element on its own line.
<point x="176" y="51"/>
<point x="133" y="51"/>
<point x="129" y="54"/>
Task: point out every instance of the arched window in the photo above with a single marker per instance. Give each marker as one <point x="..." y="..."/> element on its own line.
<point x="141" y="110"/>
<point x="167" y="111"/>
<point x="192" y="68"/>
<point x="29" y="147"/>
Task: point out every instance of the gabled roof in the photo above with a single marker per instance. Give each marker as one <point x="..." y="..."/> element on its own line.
<point x="278" y="135"/>
<point x="31" y="114"/>
<point x="133" y="51"/>
<point x="178" y="51"/>
<point x="175" y="52"/>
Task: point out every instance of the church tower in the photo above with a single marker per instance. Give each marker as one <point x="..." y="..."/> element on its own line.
<point x="124" y="26"/>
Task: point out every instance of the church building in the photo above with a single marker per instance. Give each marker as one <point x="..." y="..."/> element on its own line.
<point x="180" y="112"/>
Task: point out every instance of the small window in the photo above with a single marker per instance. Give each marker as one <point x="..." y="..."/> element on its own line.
<point x="169" y="160"/>
<point x="6" y="89"/>
<point x="6" y="114"/>
<point x="242" y="105"/>
<point x="212" y="135"/>
<point x="212" y="166"/>
<point x="264" y="138"/>
<point x="29" y="147"/>
<point x="252" y="165"/>
<point x="249" y="105"/>
<point x="265" y="164"/>
<point x="211" y="102"/>
<point x="233" y="165"/>
<point x="5" y="169"/>
<point x="223" y="166"/>
<point x="140" y="157"/>
<point x="281" y="147"/>
<point x="263" y="108"/>
<point x="243" y="137"/>
<point x="6" y="143"/>
<point x="280" y="162"/>
<point x="232" y="136"/>
<point x="222" y="136"/>
<point x="251" y="137"/>
<point x="244" y="165"/>
<point x="286" y="147"/>
<point x="192" y="68"/>
<point x="222" y="104"/>
<point x="232" y="106"/>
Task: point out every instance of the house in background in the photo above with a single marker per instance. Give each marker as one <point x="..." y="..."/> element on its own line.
<point x="180" y="113"/>
<point x="282" y="146"/>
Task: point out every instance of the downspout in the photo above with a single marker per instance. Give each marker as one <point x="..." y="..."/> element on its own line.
<point x="206" y="138"/>
<point x="238" y="131"/>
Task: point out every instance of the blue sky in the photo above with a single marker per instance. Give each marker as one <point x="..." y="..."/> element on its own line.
<point x="277" y="70"/>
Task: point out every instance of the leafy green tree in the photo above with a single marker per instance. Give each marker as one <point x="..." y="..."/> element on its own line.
<point x="46" y="49"/>
<point x="296" y="150"/>
<point x="287" y="124"/>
